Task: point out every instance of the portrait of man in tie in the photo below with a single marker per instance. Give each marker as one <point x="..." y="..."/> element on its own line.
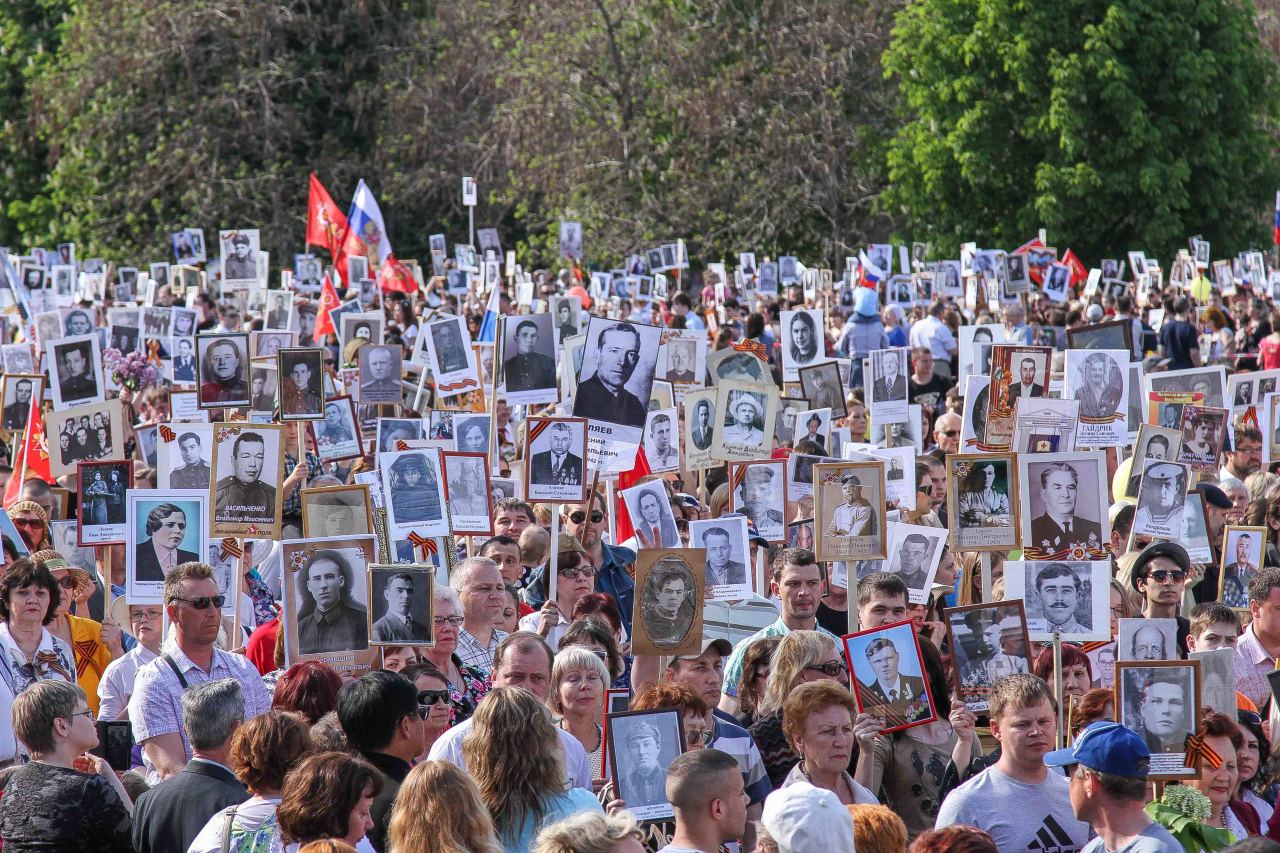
<point x="889" y="677"/>
<point x="556" y="450"/>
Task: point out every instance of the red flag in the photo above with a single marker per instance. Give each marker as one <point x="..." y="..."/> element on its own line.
<point x="327" y="224"/>
<point x="1078" y="271"/>
<point x="328" y="301"/>
<point x="626" y="480"/>
<point x="33" y="456"/>
<point x="393" y="275"/>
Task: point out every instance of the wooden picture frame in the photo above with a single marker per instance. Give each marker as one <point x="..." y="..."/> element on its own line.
<point x="981" y="532"/>
<point x="385" y="629"/>
<point x="662" y="724"/>
<point x="1101" y="335"/>
<point x="657" y="570"/>
<point x="862" y="649"/>
<point x="314" y="525"/>
<point x="978" y="664"/>
<point x="1233" y="589"/>
<point x="104" y="532"/>
<point x="832" y="520"/>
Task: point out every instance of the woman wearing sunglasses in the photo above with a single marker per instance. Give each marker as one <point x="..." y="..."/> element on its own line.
<point x="576" y="577"/>
<point x="32" y="523"/>
<point x="433" y="702"/>
<point x="29" y="599"/>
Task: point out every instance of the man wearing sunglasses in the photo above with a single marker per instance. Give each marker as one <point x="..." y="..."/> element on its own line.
<point x="194" y="607"/>
<point x="588" y="522"/>
<point x="1159" y="576"/>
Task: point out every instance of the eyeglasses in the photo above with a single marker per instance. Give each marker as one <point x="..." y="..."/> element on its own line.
<point x="580" y="572"/>
<point x="87" y="712"/>
<point x="579" y="516"/>
<point x="145" y="616"/>
<point x="696" y="736"/>
<point x="433" y="697"/>
<point x="831" y="669"/>
<point x="1166" y="575"/>
<point x="203" y="602"/>
<point x="454" y="621"/>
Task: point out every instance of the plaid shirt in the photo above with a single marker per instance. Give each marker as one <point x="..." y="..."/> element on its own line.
<point x="155" y="708"/>
<point x="476" y="655"/>
<point x="1252" y="665"/>
<point x="293" y="506"/>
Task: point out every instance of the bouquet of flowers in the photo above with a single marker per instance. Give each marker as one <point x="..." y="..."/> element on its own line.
<point x="132" y="371"/>
<point x="1183" y="811"/>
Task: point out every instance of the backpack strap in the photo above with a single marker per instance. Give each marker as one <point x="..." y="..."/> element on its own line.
<point x="228" y="819"/>
<point x="174" y="666"/>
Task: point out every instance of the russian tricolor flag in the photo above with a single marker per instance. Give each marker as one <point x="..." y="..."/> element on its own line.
<point x="869" y="274"/>
<point x="1275" y="233"/>
<point x="367" y="236"/>
<point x="489" y="325"/>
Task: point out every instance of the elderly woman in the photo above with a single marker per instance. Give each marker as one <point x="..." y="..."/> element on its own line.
<point x="433" y="694"/>
<point x="467" y="685"/>
<point x="578" y="682"/>
<point x="65" y="799"/>
<point x="515" y="757"/>
<point x="29" y="599"/>
<point x="32" y="523"/>
<point x="801" y="657"/>
<point x="263" y="751"/>
<point x="1219" y="784"/>
<point x="1077" y="671"/>
<point x="329" y="796"/>
<point x="818" y="724"/>
<point x="95" y="645"/>
<point x="576" y="578"/>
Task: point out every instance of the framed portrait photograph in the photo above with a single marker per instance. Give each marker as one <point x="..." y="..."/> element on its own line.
<point x="1162" y="495"/>
<point x="982" y="501"/>
<point x="248" y="465"/>
<point x="849" y="510"/>
<point x="823" y="389"/>
<point x="279" y="312"/>
<point x="914" y="553"/>
<point x="888" y="676"/>
<point x="642" y="745"/>
<point x="975" y="347"/>
<point x="567" y="311"/>
<point x="239" y="257"/>
<point x="619" y="363"/>
<point x="1154" y="443"/>
<point x="758" y="490"/>
<point x="467" y="490"/>
<point x="1016" y="372"/>
<point x="1195" y="530"/>
<point x="380" y="372"/>
<point x="326" y="602"/>
<point x="746" y="424"/>
<point x="886" y="385"/>
<point x="528" y="363"/>
<point x="452" y="361"/>
<point x="1243" y="552"/>
<point x="75" y="371"/>
<point x="1210" y="381"/>
<point x="1063" y="506"/>
<point x="1204" y="428"/>
<point x="802" y="337"/>
<point x="651" y="515"/>
<point x="1217" y="679"/>
<point x="1112" y="335"/>
<point x="164" y="529"/>
<point x="222" y="362"/>
<point x="670" y="591"/>
<point x="988" y="642"/>
<point x="392" y="431"/>
<point x="300" y="373"/>
<point x="414" y="483"/>
<point x="1147" y="639"/>
<point x="1097" y="379"/>
<point x="79" y="321"/>
<point x="813" y="430"/>
<point x="699" y="428"/>
<point x="337" y="434"/>
<point x="101" y="487"/>
<point x="17" y="391"/>
<point x="728" y="574"/>
<point x="268" y="344"/>
<point x="183" y="363"/>
<point x="1070" y="598"/>
<point x="84" y="434"/>
<point x="401" y="611"/>
<point x="662" y="440"/>
<point x="682" y="357"/>
<point x="1160" y="700"/>
<point x="557" y="450"/>
<point x="336" y="511"/>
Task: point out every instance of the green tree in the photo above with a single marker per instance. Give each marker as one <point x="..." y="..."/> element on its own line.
<point x="1114" y="124"/>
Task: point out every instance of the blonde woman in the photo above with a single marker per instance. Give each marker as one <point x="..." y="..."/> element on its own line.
<point x="515" y="757"/>
<point x="801" y="657"/>
<point x="591" y="833"/>
<point x="439" y="810"/>
<point x="578" y="682"/>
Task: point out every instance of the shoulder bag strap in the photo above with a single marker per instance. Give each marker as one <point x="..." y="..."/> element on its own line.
<point x="174" y="666"/>
<point x="226" y="825"/>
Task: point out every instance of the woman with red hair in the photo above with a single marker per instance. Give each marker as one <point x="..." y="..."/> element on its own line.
<point x="309" y="688"/>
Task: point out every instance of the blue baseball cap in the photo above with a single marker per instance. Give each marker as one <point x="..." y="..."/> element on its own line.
<point x="1107" y="748"/>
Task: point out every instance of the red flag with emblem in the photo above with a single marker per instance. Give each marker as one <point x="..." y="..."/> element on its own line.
<point x="33" y="456"/>
<point x="328" y="301"/>
<point x="1078" y="271"/>
<point x="327" y="225"/>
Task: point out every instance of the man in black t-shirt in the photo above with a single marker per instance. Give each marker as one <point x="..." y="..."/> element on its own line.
<point x="1178" y="339"/>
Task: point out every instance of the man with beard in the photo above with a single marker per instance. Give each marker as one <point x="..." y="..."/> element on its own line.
<point x="227" y="384"/>
<point x="240" y="265"/>
<point x="1059" y="590"/>
<point x="604" y="395"/>
<point x="528" y="369"/>
<point x="15" y="414"/>
<point x="333" y="623"/>
<point x="157" y="556"/>
<point x="1058" y="528"/>
<point x="398" y="625"/>
<point x="242" y="497"/>
<point x="194" y="473"/>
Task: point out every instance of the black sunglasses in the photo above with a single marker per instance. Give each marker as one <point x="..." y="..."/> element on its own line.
<point x="203" y="602"/>
<point x="831" y="669"/>
<point x="579" y="516"/>
<point x="1162" y="575"/>
<point x="427" y="698"/>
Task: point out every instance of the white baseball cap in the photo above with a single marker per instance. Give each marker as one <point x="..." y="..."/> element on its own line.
<point x="803" y="819"/>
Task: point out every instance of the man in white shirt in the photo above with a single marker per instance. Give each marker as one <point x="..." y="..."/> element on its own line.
<point x="116" y="685"/>
<point x="933" y="333"/>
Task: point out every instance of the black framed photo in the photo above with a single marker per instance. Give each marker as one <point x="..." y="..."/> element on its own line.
<point x="300" y="374"/>
<point x="643" y="745"/>
<point x="400" y="605"/>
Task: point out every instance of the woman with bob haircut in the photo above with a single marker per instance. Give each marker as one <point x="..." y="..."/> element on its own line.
<point x="263" y="751"/>
<point x="439" y="808"/>
<point x="578" y="682"/>
<point x="596" y="635"/>
<point x="328" y="796"/>
<point x="29" y="599"/>
<point x="65" y="799"/>
<point x="515" y="757"/>
<point x="591" y="833"/>
<point x="817" y="719"/>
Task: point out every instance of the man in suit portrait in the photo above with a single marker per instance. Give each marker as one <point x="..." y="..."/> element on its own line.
<point x="194" y="471"/>
<point x="721" y="570"/>
<point x="604" y="394"/>
<point x="891" y="694"/>
<point x="654" y="520"/>
<point x="328" y="620"/>
<point x="662" y="454"/>
<point x="1026" y="386"/>
<point x="701" y="431"/>
<point x="812" y="432"/>
<point x="397" y="625"/>
<point x="557" y="466"/>
<point x="278" y="316"/>
<point x="1058" y="528"/>
<point x="1236" y="577"/>
<point x="184" y="362"/>
<point x="166" y="527"/>
<point x="528" y="369"/>
<point x="15" y="414"/>
<point x="680" y="361"/>
<point x="171" y="815"/>
<point x="891" y="385"/>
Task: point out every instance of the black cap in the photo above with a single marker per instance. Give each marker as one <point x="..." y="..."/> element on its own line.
<point x="1172" y="550"/>
<point x="1214" y="495"/>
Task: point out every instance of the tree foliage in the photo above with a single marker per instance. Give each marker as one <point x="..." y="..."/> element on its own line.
<point x="1114" y="124"/>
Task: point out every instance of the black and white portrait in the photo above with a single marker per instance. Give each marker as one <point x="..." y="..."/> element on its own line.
<point x="337" y="433"/>
<point x="1154" y="443"/>
<point x="470" y="433"/>
<point x="570" y="240"/>
<point x="269" y="344"/>
<point x="1097" y="379"/>
<point x="79" y="321"/>
<point x="184" y="360"/>
<point x="332" y="613"/>
<point x="822" y="388"/>
<point x="394" y="430"/>
<point x="301" y="376"/>
<point x="1070" y="597"/>
<point x="813" y="426"/>
<point x="19" y="391"/>
<point x="682" y="357"/>
<point x="156" y="322"/>
<point x="83" y="434"/>
<point x="452" y="360"/>
<point x="1160" y="703"/>
<point x="101" y="488"/>
<point x="729" y="364"/>
<point x="183" y="456"/>
<point x="336" y="511"/>
<point x="76" y="370"/>
<point x="699" y="426"/>
<point x="400" y="605"/>
<point x="528" y="359"/>
<point x="728" y="576"/>
<point x="1204" y="429"/>
<point x="914" y="552"/>
<point x="803" y="341"/>
<point x="1064" y="505"/>
<point x="1161" y="498"/>
<point x="758" y="491"/>
<point x="617" y="373"/>
<point x="239" y="257"/>
<point x="557" y="449"/>
<point x="988" y="642"/>
<point x="467" y="476"/>
<point x="380" y="369"/>
<point x="188" y="246"/>
<point x="279" y="311"/>
<point x="413" y="481"/>
<point x="223" y="369"/>
<point x="662" y="440"/>
<point x="17" y="358"/>
<point x="247" y="464"/>
<point x="1142" y="639"/>
<point x="567" y="314"/>
<point x="747" y="415"/>
<point x="1210" y="381"/>
<point x="642" y="745"/>
<point x="651" y="516"/>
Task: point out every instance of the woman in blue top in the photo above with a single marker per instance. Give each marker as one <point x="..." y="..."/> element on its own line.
<point x="515" y="757"/>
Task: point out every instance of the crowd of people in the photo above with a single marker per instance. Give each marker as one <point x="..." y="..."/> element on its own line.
<point x="533" y="721"/>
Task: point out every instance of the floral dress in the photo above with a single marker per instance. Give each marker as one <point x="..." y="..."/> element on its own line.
<point x="53" y="660"/>
<point x="464" y="697"/>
